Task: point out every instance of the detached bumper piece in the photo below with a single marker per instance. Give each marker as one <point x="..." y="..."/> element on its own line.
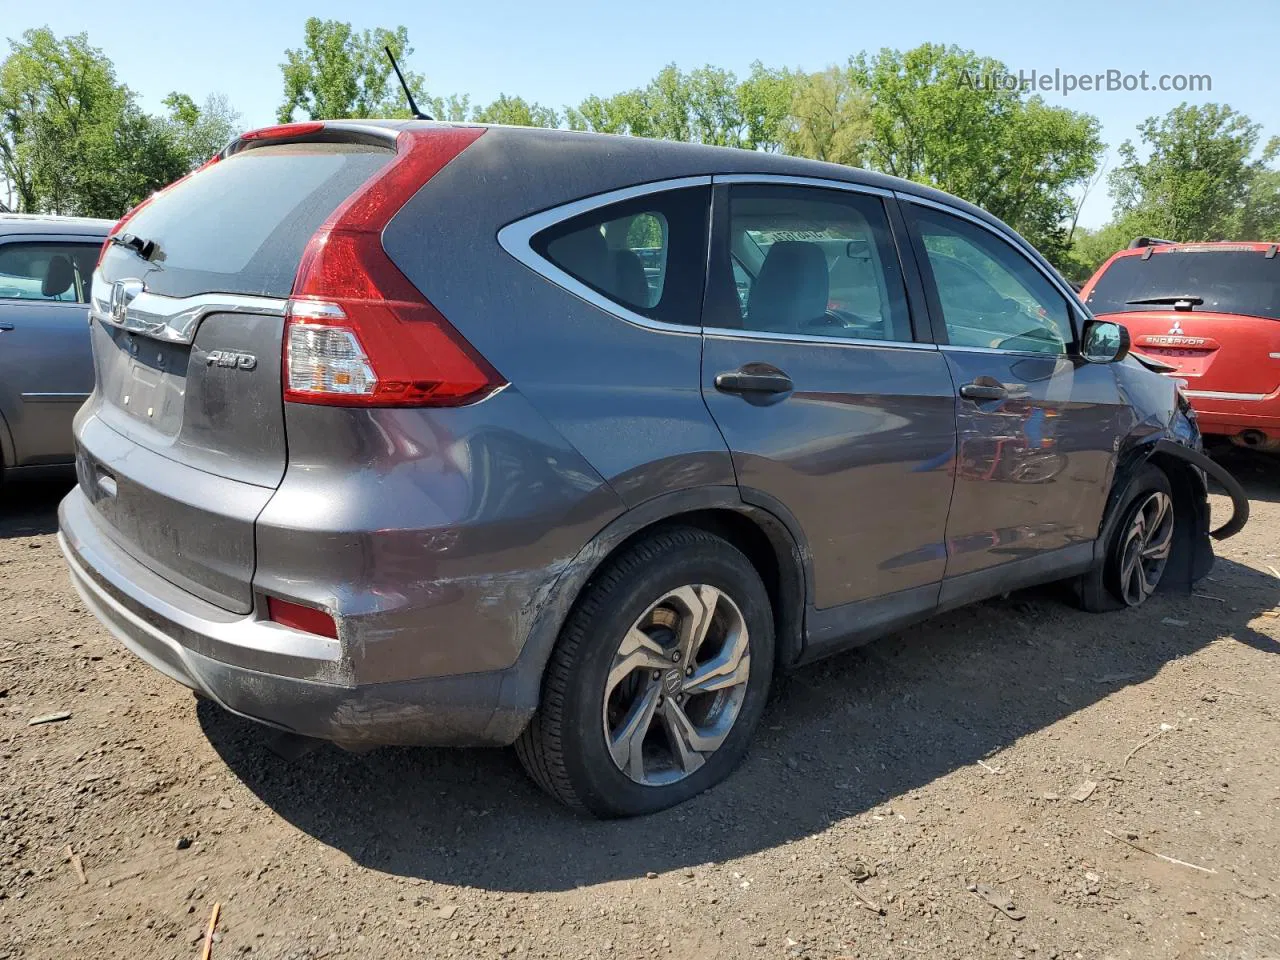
<point x="1239" y="499"/>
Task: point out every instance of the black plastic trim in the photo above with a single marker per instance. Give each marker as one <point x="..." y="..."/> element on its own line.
<point x="1239" y="499"/>
<point x="849" y="625"/>
<point x="1016" y="574"/>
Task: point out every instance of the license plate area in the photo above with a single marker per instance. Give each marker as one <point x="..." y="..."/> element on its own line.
<point x="145" y="379"/>
<point x="1188" y="361"/>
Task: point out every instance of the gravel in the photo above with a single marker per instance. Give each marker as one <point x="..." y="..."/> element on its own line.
<point x="897" y="777"/>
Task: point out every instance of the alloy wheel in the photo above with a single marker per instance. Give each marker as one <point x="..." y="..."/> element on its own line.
<point x="676" y="685"/>
<point x="1146" y="548"/>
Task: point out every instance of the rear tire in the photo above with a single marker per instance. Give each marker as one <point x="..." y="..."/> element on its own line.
<point x="1138" y="547"/>
<point x="658" y="679"/>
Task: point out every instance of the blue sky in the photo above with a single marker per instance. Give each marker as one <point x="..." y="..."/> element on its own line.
<point x="557" y="52"/>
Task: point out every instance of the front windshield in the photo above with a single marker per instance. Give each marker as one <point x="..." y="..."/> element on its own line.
<point x="1228" y="280"/>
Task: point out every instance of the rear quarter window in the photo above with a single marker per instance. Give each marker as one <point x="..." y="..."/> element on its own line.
<point x="646" y="255"/>
<point x="241" y="225"/>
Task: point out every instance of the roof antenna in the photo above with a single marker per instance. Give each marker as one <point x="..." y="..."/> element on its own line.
<point x="413" y="107"/>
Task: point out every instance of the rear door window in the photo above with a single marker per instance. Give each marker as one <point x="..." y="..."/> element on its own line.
<point x="645" y="255"/>
<point x="813" y="262"/>
<point x="241" y="225"/>
<point x="57" y="271"/>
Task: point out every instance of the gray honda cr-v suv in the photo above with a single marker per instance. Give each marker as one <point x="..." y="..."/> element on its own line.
<point x="421" y="433"/>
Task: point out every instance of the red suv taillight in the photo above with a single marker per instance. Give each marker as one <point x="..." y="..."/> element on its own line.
<point x="358" y="332"/>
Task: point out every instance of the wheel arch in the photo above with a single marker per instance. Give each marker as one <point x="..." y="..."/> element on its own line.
<point x="1192" y="554"/>
<point x="768" y="540"/>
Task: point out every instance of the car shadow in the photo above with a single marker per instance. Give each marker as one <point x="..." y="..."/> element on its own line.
<point x="1258" y="473"/>
<point x="838" y="739"/>
<point x="30" y="508"/>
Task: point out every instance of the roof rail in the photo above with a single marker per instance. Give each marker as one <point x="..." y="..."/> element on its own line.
<point x="1140" y="242"/>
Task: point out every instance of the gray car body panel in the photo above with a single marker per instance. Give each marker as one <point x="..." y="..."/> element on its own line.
<point x="46" y="365"/>
<point x="433" y="539"/>
<point x="449" y="545"/>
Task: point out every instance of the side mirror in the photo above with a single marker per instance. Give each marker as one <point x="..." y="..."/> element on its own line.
<point x="1105" y="342"/>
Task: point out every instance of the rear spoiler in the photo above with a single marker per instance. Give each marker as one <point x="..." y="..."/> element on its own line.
<point x="1139" y="243"/>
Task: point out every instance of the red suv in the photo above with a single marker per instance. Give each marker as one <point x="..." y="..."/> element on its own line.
<point x="1211" y="312"/>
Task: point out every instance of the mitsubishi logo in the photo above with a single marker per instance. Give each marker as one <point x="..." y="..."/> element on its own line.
<point x="1176" y="329"/>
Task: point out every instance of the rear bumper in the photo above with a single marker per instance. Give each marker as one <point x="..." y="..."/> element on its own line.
<point x="1229" y="414"/>
<point x="284" y="678"/>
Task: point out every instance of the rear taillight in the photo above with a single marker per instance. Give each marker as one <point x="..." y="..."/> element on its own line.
<point x="358" y="332"/>
<point x="300" y="617"/>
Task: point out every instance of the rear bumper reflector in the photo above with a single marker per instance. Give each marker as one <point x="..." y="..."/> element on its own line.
<point x="301" y="617"/>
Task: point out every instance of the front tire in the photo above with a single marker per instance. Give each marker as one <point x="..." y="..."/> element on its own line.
<point x="1138" y="548"/>
<point x="658" y="679"/>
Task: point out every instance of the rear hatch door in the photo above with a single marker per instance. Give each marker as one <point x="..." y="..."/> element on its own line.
<point x="1213" y="352"/>
<point x="183" y="442"/>
<point x="1224" y="335"/>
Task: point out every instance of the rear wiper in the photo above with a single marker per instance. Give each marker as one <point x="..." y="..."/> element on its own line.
<point x="146" y="249"/>
<point x="1180" y="302"/>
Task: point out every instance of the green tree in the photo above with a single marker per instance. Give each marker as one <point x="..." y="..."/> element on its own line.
<point x="1260" y="218"/>
<point x="621" y="113"/>
<point x="454" y="108"/>
<point x="715" y="114"/>
<point x="142" y="158"/>
<point x="200" y="132"/>
<point x="516" y="111"/>
<point x="707" y="105"/>
<point x="1091" y="248"/>
<point x="73" y="138"/>
<point x="59" y="102"/>
<point x="935" y="119"/>
<point x="340" y="72"/>
<point x="765" y="100"/>
<point x="829" y="118"/>
<point x="1196" y="180"/>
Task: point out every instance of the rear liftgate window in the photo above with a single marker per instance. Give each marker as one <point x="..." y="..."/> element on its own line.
<point x="241" y="225"/>
<point x="1243" y="281"/>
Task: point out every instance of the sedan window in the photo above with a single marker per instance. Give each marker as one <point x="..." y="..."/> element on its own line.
<point x="47" y="270"/>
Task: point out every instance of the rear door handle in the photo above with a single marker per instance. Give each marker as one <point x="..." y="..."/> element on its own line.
<point x="983" y="391"/>
<point x="760" y="381"/>
<point x="5" y="327"/>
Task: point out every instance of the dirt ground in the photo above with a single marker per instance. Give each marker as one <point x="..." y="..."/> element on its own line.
<point x="944" y="757"/>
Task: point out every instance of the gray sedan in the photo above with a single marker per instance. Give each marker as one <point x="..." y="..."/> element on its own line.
<point x="46" y="366"/>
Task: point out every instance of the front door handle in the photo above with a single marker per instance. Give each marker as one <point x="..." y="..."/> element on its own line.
<point x="983" y="391"/>
<point x="759" y="380"/>
<point x="5" y="327"/>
